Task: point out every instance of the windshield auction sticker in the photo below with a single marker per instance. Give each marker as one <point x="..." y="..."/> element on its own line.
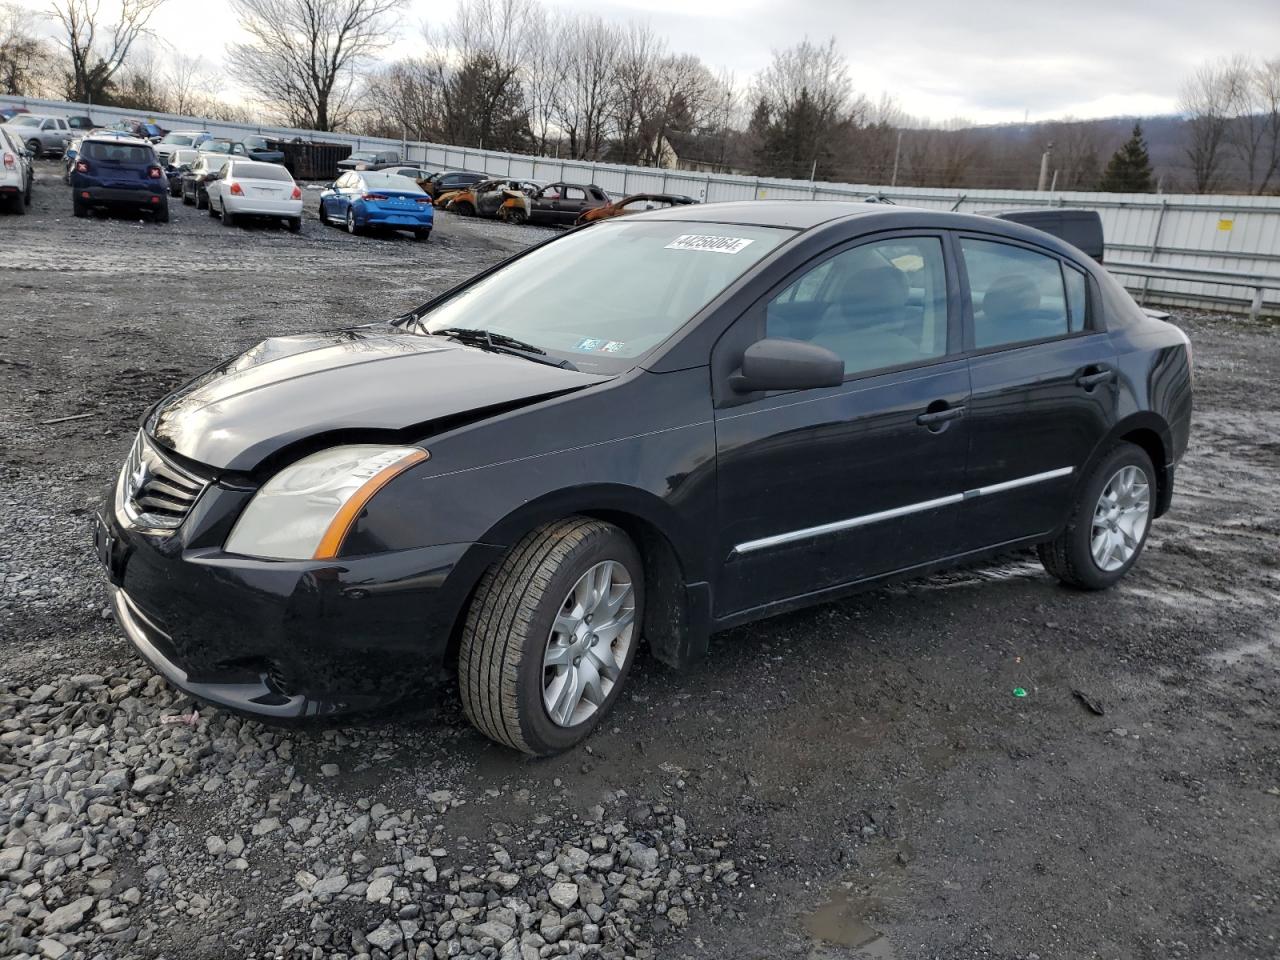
<point x="693" y="241"/>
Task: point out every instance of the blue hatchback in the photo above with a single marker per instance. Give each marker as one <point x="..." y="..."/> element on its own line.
<point x="119" y="172"/>
<point x="369" y="199"/>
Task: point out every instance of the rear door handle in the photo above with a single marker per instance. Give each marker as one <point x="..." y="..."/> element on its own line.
<point x="1091" y="380"/>
<point x="939" y="416"/>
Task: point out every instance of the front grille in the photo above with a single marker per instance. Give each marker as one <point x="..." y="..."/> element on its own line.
<point x="156" y="493"/>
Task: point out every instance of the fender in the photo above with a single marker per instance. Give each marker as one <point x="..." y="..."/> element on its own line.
<point x="1161" y="459"/>
<point x="677" y="616"/>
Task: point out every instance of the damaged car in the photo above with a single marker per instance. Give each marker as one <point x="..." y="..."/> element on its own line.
<point x="636" y="203"/>
<point x="663" y="426"/>
<point x="499" y="199"/>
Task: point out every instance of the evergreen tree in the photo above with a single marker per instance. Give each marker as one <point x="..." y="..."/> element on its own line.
<point x="1129" y="169"/>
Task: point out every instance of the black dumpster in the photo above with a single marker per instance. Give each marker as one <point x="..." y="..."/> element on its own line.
<point x="312" y="159"/>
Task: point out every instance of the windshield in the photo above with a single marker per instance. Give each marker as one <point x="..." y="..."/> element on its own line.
<point x="363" y="155"/>
<point x="604" y="296"/>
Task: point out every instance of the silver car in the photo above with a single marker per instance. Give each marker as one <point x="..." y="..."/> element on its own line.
<point x="16" y="173"/>
<point x="42" y="134"/>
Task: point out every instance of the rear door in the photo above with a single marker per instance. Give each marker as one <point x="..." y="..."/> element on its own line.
<point x="1044" y="389"/>
<point x="545" y="205"/>
<point x="573" y="200"/>
<point x="819" y="488"/>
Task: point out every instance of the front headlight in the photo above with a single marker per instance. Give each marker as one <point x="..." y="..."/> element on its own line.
<point x="305" y="510"/>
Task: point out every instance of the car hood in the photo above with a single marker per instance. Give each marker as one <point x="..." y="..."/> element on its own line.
<point x="345" y="386"/>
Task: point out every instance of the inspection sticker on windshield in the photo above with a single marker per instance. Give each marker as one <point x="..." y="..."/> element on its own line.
<point x="693" y="241"/>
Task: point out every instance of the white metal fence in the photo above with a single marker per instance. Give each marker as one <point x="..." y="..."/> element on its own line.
<point x="1208" y="237"/>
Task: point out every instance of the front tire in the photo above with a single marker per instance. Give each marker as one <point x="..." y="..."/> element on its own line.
<point x="1109" y="522"/>
<point x="551" y="634"/>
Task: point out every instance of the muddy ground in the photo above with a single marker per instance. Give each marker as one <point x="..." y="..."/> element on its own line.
<point x="883" y="789"/>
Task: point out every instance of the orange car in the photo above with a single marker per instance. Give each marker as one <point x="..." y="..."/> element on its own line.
<point x="636" y="203"/>
<point x="500" y="198"/>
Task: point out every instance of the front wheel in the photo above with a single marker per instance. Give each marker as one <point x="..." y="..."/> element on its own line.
<point x="1109" y="522"/>
<point x="551" y="634"/>
<point x="37" y="151"/>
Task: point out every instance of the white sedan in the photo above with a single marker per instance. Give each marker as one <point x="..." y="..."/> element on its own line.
<point x="247" y="188"/>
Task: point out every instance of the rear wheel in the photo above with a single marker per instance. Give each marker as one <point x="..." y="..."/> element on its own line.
<point x="162" y="213"/>
<point x="295" y="224"/>
<point x="18" y="203"/>
<point x="352" y="227"/>
<point x="422" y="234"/>
<point x="186" y="200"/>
<point x="463" y="209"/>
<point x="1109" y="522"/>
<point x="79" y="209"/>
<point x="35" y="147"/>
<point x="202" y="202"/>
<point x="551" y="635"/>
<point x="228" y="218"/>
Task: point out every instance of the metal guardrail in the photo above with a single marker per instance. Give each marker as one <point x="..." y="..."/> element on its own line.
<point x="1228" y="278"/>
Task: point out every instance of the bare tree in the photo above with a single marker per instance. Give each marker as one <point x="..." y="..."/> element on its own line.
<point x="1254" y="129"/>
<point x="189" y="82"/>
<point x="98" y="50"/>
<point x="303" y="56"/>
<point x="25" y="59"/>
<point x="137" y="85"/>
<point x="585" y="99"/>
<point x="1208" y="99"/>
<point x="406" y="97"/>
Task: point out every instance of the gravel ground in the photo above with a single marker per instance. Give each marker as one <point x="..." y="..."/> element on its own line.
<point x="856" y="780"/>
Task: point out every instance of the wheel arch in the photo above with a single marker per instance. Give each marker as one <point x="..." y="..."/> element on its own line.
<point x="677" y="600"/>
<point x="1151" y="433"/>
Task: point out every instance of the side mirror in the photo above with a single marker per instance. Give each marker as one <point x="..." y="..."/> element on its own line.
<point x="778" y="364"/>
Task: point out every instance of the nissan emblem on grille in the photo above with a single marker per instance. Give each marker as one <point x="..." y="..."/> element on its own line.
<point x="156" y="493"/>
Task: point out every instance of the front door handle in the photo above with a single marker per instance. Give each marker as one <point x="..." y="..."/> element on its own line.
<point x="935" y="417"/>
<point x="1094" y="376"/>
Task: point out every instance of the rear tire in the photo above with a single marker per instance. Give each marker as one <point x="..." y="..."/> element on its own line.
<point x="512" y="631"/>
<point x="422" y="235"/>
<point x="462" y="209"/>
<point x="202" y="203"/>
<point x="186" y="201"/>
<point x="36" y="149"/>
<point x="79" y="209"/>
<point x="18" y="204"/>
<point x="1101" y="522"/>
<point x="352" y="227"/>
<point x="162" y="213"/>
<point x="295" y="224"/>
<point x="228" y="218"/>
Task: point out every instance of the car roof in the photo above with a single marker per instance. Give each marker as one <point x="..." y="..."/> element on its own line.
<point x="805" y="215"/>
<point x="117" y="141"/>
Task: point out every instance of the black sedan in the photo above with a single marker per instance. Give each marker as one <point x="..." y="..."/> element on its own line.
<point x="653" y="428"/>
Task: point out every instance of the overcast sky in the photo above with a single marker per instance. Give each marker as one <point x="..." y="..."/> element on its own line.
<point x="983" y="60"/>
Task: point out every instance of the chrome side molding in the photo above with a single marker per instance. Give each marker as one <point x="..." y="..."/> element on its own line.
<point x="778" y="539"/>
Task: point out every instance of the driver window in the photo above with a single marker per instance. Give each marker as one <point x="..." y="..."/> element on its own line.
<point x="1017" y="294"/>
<point x="878" y="305"/>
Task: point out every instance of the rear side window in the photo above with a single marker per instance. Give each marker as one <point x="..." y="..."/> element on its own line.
<point x="573" y="193"/>
<point x="1077" y="298"/>
<point x="877" y="305"/>
<point x="118" y="153"/>
<point x="1018" y="294"/>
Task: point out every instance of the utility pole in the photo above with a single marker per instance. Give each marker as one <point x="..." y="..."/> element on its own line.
<point x="897" y="152"/>
<point x="1044" y="165"/>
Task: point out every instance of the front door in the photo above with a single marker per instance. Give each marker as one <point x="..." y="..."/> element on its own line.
<point x="825" y="487"/>
<point x="1044" y="391"/>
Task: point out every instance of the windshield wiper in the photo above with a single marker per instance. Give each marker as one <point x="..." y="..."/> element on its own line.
<point x="500" y="343"/>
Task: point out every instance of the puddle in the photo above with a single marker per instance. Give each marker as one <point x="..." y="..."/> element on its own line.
<point x="844" y="921"/>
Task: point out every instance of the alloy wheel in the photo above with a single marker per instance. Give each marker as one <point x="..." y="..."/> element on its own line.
<point x="1120" y="518"/>
<point x="588" y="644"/>
<point x="351" y="221"/>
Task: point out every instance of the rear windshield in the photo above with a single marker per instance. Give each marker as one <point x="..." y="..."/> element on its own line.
<point x="181" y="139"/>
<point x="255" y="143"/>
<point x="26" y="120"/>
<point x="260" y="171"/>
<point x="391" y="181"/>
<point x="121" y="153"/>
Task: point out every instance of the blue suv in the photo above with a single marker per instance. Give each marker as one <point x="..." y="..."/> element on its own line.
<point x="113" y="172"/>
